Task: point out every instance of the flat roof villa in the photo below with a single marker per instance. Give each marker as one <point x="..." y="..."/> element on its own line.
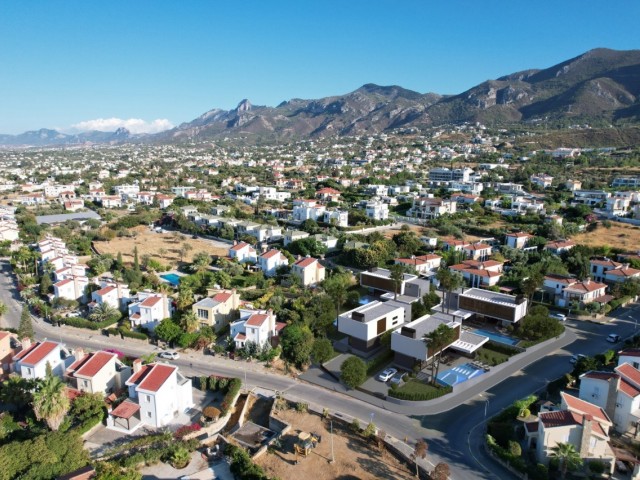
<point x="366" y="324"/>
<point x="508" y="309"/>
<point x="409" y="347"/>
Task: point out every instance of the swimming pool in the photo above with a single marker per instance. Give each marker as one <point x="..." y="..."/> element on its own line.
<point x="172" y="278"/>
<point x="496" y="337"/>
<point x="459" y="374"/>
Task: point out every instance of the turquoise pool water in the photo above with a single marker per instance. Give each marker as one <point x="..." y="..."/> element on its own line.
<point x="496" y="337"/>
<point x="172" y="278"/>
<point x="459" y="374"/>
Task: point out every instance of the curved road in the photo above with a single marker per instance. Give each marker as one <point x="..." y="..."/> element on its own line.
<point x="453" y="426"/>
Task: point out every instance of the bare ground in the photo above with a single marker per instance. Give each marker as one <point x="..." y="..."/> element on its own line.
<point x="620" y="235"/>
<point x="355" y="457"/>
<point x="150" y="243"/>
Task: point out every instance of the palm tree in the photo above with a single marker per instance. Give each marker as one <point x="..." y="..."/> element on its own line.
<point x="103" y="312"/>
<point x="419" y="452"/>
<point x="201" y="262"/>
<point x="568" y="456"/>
<point x="436" y="341"/>
<point x="50" y="401"/>
<point x="189" y="322"/>
<point x="16" y="391"/>
<point x="450" y="282"/>
<point x="397" y="276"/>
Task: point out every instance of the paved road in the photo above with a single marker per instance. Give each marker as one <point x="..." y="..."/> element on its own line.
<point x="453" y="427"/>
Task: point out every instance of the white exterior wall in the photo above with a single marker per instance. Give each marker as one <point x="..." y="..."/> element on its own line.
<point x="411" y="347"/>
<point x="595" y="391"/>
<point x="368" y="330"/>
<point x="102" y="381"/>
<point x="40" y="370"/>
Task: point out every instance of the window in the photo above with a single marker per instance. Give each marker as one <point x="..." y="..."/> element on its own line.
<point x="28" y="371"/>
<point x="636" y="365"/>
<point x="148" y="414"/>
<point x="85" y="383"/>
<point x="148" y="398"/>
<point x="202" y="313"/>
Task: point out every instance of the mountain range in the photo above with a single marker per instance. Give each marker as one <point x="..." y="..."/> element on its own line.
<point x="600" y="85"/>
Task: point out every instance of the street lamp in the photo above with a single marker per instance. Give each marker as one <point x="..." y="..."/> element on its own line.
<point x="331" y="427"/>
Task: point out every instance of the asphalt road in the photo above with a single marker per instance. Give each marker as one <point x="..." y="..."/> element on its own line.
<point x="453" y="429"/>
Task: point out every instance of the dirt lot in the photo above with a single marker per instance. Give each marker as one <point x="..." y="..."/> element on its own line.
<point x="393" y="231"/>
<point x="150" y="243"/>
<point x="620" y="235"/>
<point x="355" y="457"/>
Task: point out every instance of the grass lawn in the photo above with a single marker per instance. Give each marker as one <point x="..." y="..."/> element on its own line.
<point x="418" y="387"/>
<point x="491" y="357"/>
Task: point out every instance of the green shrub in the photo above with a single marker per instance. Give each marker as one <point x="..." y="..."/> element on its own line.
<point x="203" y="383"/>
<point x="132" y="460"/>
<point x="378" y="362"/>
<point x="136" y="335"/>
<point x="597" y="467"/>
<point x="355" y="426"/>
<point x="302" y="407"/>
<point x="84" y="323"/>
<point x="514" y="448"/>
<point x="234" y="386"/>
<point x="241" y="465"/>
<point x="419" y="396"/>
<point x="213" y="383"/>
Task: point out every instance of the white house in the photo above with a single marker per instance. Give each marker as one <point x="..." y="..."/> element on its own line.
<point x="243" y="252"/>
<point x="257" y="326"/>
<point x="508" y="309"/>
<point x="291" y="236"/>
<point x="113" y="293"/>
<point x="32" y="360"/>
<point x="478" y="273"/>
<point x="307" y="210"/>
<point x="366" y="324"/>
<point x="422" y="264"/>
<point x="271" y="260"/>
<point x="517" y="240"/>
<point x="98" y="372"/>
<point x="148" y="309"/>
<point x="477" y="251"/>
<point x="583" y="293"/>
<point x="71" y="288"/>
<point x="158" y="393"/>
<point x="377" y="210"/>
<point x="309" y="270"/>
<point x="338" y="217"/>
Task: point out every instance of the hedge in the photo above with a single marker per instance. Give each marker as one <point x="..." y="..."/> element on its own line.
<point x="234" y="387"/>
<point x="136" y="335"/>
<point x="84" y="323"/>
<point x="375" y="364"/>
<point x="241" y="465"/>
<point x="419" y="396"/>
<point x="501" y="348"/>
<point x="88" y="424"/>
<point x="616" y="303"/>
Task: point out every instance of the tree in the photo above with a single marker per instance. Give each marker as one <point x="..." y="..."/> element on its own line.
<point x="45" y="284"/>
<point x="297" y="343"/>
<point x="25" y="329"/>
<point x="168" y="330"/>
<point x="50" y="401"/>
<point x="531" y="285"/>
<point x="337" y="286"/>
<point x="307" y="246"/>
<point x="353" y="372"/>
<point x="407" y="241"/>
<point x="538" y="325"/>
<point x="441" y="472"/>
<point x="397" y="276"/>
<point x="568" y="457"/>
<point x="201" y="262"/>
<point x="136" y="261"/>
<point x="16" y="391"/>
<point x="310" y="226"/>
<point x="436" y="341"/>
<point x="322" y="350"/>
<point x="3" y="309"/>
<point x="186" y="248"/>
<point x="449" y="281"/>
<point x="104" y="312"/>
<point x="88" y="405"/>
<point x="189" y="322"/>
<point x="419" y="452"/>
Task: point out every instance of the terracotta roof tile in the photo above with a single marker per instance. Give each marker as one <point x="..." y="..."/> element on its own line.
<point x="222" y="297"/>
<point x="628" y="372"/>
<point x="256" y="320"/>
<point x="94" y="363"/>
<point x="305" y="262"/>
<point x="125" y="410"/>
<point x="156" y="377"/>
<point x="577" y="405"/>
<point x="37" y="354"/>
<point x="150" y="301"/>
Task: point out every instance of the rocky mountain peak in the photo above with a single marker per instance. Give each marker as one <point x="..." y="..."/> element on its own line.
<point x="244" y="106"/>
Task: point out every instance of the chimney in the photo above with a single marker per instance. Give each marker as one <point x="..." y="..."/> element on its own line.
<point x="137" y="365"/>
<point x="79" y="353"/>
<point x="235" y="242"/>
<point x="587" y="421"/>
<point x="612" y="395"/>
<point x="26" y="343"/>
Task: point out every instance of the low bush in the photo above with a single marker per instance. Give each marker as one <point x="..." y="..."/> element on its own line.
<point x="234" y="387"/>
<point x="84" y="323"/>
<point x="378" y="362"/>
<point x="186" y="430"/>
<point x="505" y="455"/>
<point x="420" y="396"/>
<point x="616" y="303"/>
<point x="241" y="465"/>
<point x="136" y="335"/>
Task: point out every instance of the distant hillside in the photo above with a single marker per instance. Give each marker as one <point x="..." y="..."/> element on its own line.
<point x="601" y="86"/>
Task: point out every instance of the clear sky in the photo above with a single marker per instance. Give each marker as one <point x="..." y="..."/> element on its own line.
<point x="149" y="64"/>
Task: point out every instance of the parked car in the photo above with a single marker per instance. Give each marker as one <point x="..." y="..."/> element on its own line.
<point x="574" y="358"/>
<point x="558" y="316"/>
<point x="398" y="378"/>
<point x="386" y="375"/>
<point x="621" y="467"/>
<point x="169" y="354"/>
<point x="613" y="338"/>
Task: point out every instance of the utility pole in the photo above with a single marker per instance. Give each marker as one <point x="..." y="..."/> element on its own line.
<point x="332" y="457"/>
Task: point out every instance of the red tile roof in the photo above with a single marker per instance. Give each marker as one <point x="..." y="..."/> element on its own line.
<point x="4" y="334"/>
<point x="150" y="301"/>
<point x="240" y="336"/>
<point x="271" y="253"/>
<point x="239" y="246"/>
<point x="94" y="363"/>
<point x="559" y="418"/>
<point x="628" y="372"/>
<point x="328" y="191"/>
<point x="125" y="410"/>
<point x="38" y="353"/>
<point x="139" y="375"/>
<point x="477" y="246"/>
<point x="62" y="283"/>
<point x="306" y="262"/>
<point x="222" y="297"/>
<point x="531" y="427"/>
<point x="156" y="377"/>
<point x="105" y="290"/>
<point x="623" y="272"/>
<point x="519" y="235"/>
<point x="580" y="406"/>
<point x="628" y="388"/>
<point x="585" y="286"/>
<point x="630" y="352"/>
<point x="605" y="263"/>
<point x="256" y="320"/>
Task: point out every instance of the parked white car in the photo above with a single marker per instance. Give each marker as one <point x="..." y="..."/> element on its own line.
<point x="386" y="375"/>
<point x="170" y="355"/>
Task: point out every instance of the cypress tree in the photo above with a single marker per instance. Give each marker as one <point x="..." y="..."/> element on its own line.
<point x="26" y="327"/>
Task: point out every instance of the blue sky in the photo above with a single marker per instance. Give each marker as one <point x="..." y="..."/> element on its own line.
<point x="165" y="62"/>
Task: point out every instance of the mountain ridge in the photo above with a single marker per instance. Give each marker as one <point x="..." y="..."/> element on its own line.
<point x="600" y="84"/>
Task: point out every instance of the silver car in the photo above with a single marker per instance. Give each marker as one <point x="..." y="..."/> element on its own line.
<point x="169" y="355"/>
